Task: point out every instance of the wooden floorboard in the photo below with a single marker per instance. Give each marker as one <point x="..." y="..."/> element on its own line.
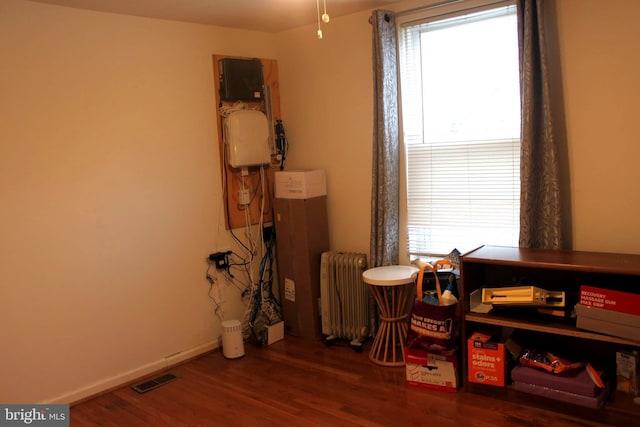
<point x="301" y="383"/>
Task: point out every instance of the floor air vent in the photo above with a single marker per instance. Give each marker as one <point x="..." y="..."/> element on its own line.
<point x="153" y="383"/>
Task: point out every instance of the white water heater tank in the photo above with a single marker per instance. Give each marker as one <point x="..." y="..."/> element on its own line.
<point x="247" y="136"/>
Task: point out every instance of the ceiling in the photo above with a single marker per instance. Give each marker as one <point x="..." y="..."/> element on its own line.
<point x="259" y="15"/>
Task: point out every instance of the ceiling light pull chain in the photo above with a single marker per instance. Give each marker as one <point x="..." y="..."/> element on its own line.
<point x="325" y="16"/>
<point x="318" y="13"/>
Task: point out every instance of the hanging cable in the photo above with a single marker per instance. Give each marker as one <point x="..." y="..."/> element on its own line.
<point x="218" y="310"/>
<point x="264" y="308"/>
<point x="282" y="143"/>
<point x="319" y="32"/>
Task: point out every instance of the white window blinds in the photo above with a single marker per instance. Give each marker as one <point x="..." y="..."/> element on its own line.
<point x="461" y="130"/>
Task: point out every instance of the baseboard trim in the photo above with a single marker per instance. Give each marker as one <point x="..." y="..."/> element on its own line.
<point x="117" y="381"/>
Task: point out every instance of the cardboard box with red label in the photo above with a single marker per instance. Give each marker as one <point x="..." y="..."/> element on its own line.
<point x="439" y="372"/>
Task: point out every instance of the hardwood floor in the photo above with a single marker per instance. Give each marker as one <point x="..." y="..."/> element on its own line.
<point x="301" y="383"/>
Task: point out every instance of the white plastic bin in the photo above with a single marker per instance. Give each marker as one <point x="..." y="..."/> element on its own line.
<point x="232" y="344"/>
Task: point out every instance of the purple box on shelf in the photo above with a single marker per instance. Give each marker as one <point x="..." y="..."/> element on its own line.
<point x="576" y="381"/>
<point x="563" y="396"/>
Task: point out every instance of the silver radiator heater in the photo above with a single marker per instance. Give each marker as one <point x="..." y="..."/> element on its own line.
<point x="344" y="298"/>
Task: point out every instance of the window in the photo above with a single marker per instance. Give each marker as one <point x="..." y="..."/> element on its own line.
<point x="459" y="84"/>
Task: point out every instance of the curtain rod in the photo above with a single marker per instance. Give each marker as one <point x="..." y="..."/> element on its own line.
<point x="419" y="9"/>
<point x="428" y="7"/>
<point x="434" y="6"/>
<point x="440" y="4"/>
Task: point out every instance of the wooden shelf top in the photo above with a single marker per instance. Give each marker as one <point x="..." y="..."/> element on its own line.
<point x="592" y="262"/>
<point x="550" y="328"/>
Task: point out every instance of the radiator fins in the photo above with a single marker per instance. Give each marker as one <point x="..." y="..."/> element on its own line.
<point x="344" y="297"/>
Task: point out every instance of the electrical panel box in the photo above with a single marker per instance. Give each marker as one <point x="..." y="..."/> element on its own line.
<point x="246" y="134"/>
<point x="241" y="79"/>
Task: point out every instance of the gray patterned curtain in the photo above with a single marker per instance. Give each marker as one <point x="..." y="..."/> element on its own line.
<point x="540" y="200"/>
<point x="386" y="158"/>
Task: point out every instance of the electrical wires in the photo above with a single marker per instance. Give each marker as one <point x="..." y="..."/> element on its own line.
<point x="264" y="308"/>
<point x="255" y="240"/>
<point x="226" y="109"/>
<point x="282" y="144"/>
<point x="218" y="310"/>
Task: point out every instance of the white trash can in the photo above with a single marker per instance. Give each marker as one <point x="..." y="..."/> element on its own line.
<point x="232" y="344"/>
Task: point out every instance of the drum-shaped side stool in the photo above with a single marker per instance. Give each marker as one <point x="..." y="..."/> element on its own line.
<point x="392" y="288"/>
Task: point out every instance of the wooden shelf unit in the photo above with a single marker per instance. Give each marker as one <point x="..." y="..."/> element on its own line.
<point x="493" y="266"/>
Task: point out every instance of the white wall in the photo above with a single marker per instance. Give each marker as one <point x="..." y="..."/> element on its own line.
<point x="600" y="64"/>
<point x="110" y="195"/>
<point x="326" y="90"/>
